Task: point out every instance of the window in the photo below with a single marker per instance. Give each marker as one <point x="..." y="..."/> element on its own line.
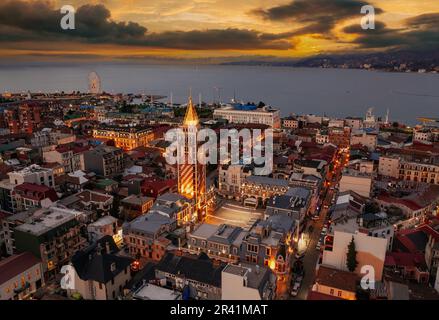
<point x="252" y="248"/>
<point x="339" y="293"/>
<point x="331" y="292"/>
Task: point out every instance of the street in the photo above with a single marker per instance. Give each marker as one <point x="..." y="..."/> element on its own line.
<point x="312" y="255"/>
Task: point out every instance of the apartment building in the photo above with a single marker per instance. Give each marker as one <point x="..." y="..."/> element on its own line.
<point x="247" y="282"/>
<point x="249" y="114"/>
<point x="47" y="137"/>
<point x="145" y="236"/>
<point x="20" y="276"/>
<point x="53" y="235"/>
<point x="357" y="181"/>
<point x="70" y="156"/>
<point x="294" y="204"/>
<point x="231" y="178"/>
<point x="256" y="190"/>
<point x="125" y="137"/>
<point x="105" y="161"/>
<point x="340" y="137"/>
<point x="136" y="205"/>
<point x="30" y="195"/>
<point x="371" y="251"/>
<point x="197" y="277"/>
<point x="415" y="171"/>
<point x="367" y="139"/>
<point x="269" y="243"/>
<point x="222" y="243"/>
<point x="100" y="273"/>
<point x="105" y="226"/>
<point x="33" y="174"/>
<point x="290" y="123"/>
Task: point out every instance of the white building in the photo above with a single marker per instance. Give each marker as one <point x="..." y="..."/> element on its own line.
<point x="425" y="134"/>
<point x="322" y="137"/>
<point x="290" y="123"/>
<point x="105" y="226"/>
<point x="371" y="251"/>
<point x="357" y="181"/>
<point x="366" y="139"/>
<point x="32" y="174"/>
<point x="354" y="123"/>
<point x="72" y="158"/>
<point x="21" y="275"/>
<point x="337" y="123"/>
<point x="230" y="179"/>
<point x="264" y="115"/>
<point x="48" y="137"/>
<point x="247" y="282"/>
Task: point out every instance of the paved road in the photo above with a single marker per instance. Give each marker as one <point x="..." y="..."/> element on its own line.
<point x="312" y="255"/>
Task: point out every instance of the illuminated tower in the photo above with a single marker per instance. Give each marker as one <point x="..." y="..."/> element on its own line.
<point x="191" y="174"/>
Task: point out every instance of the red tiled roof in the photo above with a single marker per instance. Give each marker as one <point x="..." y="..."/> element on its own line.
<point x="404" y="259"/>
<point x="408" y="203"/>
<point x="50" y="165"/>
<point x="407" y="243"/>
<point x="16" y="264"/>
<point x="337" y="279"/>
<point x="36" y="191"/>
<point x="314" y="295"/>
<point x="88" y="196"/>
<point x="430" y="231"/>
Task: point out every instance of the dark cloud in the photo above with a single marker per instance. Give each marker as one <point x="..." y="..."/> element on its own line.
<point x="418" y="33"/>
<point x="217" y="39"/>
<point x="319" y="16"/>
<point x="38" y="20"/>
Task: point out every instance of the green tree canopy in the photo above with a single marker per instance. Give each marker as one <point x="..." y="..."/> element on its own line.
<point x="351" y="261"/>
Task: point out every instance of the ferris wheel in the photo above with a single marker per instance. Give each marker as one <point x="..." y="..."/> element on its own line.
<point x="94" y="83"/>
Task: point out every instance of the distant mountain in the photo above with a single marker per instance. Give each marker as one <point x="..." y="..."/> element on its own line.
<point x="390" y="61"/>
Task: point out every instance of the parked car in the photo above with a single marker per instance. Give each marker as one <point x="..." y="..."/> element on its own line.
<point x="318" y="246"/>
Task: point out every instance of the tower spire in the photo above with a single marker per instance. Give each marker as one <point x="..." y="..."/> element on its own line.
<point x="191" y="117"/>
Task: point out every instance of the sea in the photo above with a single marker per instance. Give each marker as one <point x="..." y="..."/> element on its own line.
<point x="331" y="92"/>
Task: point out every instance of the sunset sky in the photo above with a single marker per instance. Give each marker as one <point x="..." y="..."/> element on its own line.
<point x="187" y="29"/>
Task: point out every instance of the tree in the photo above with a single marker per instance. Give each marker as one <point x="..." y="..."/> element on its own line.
<point x="372" y="207"/>
<point x="351" y="261"/>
